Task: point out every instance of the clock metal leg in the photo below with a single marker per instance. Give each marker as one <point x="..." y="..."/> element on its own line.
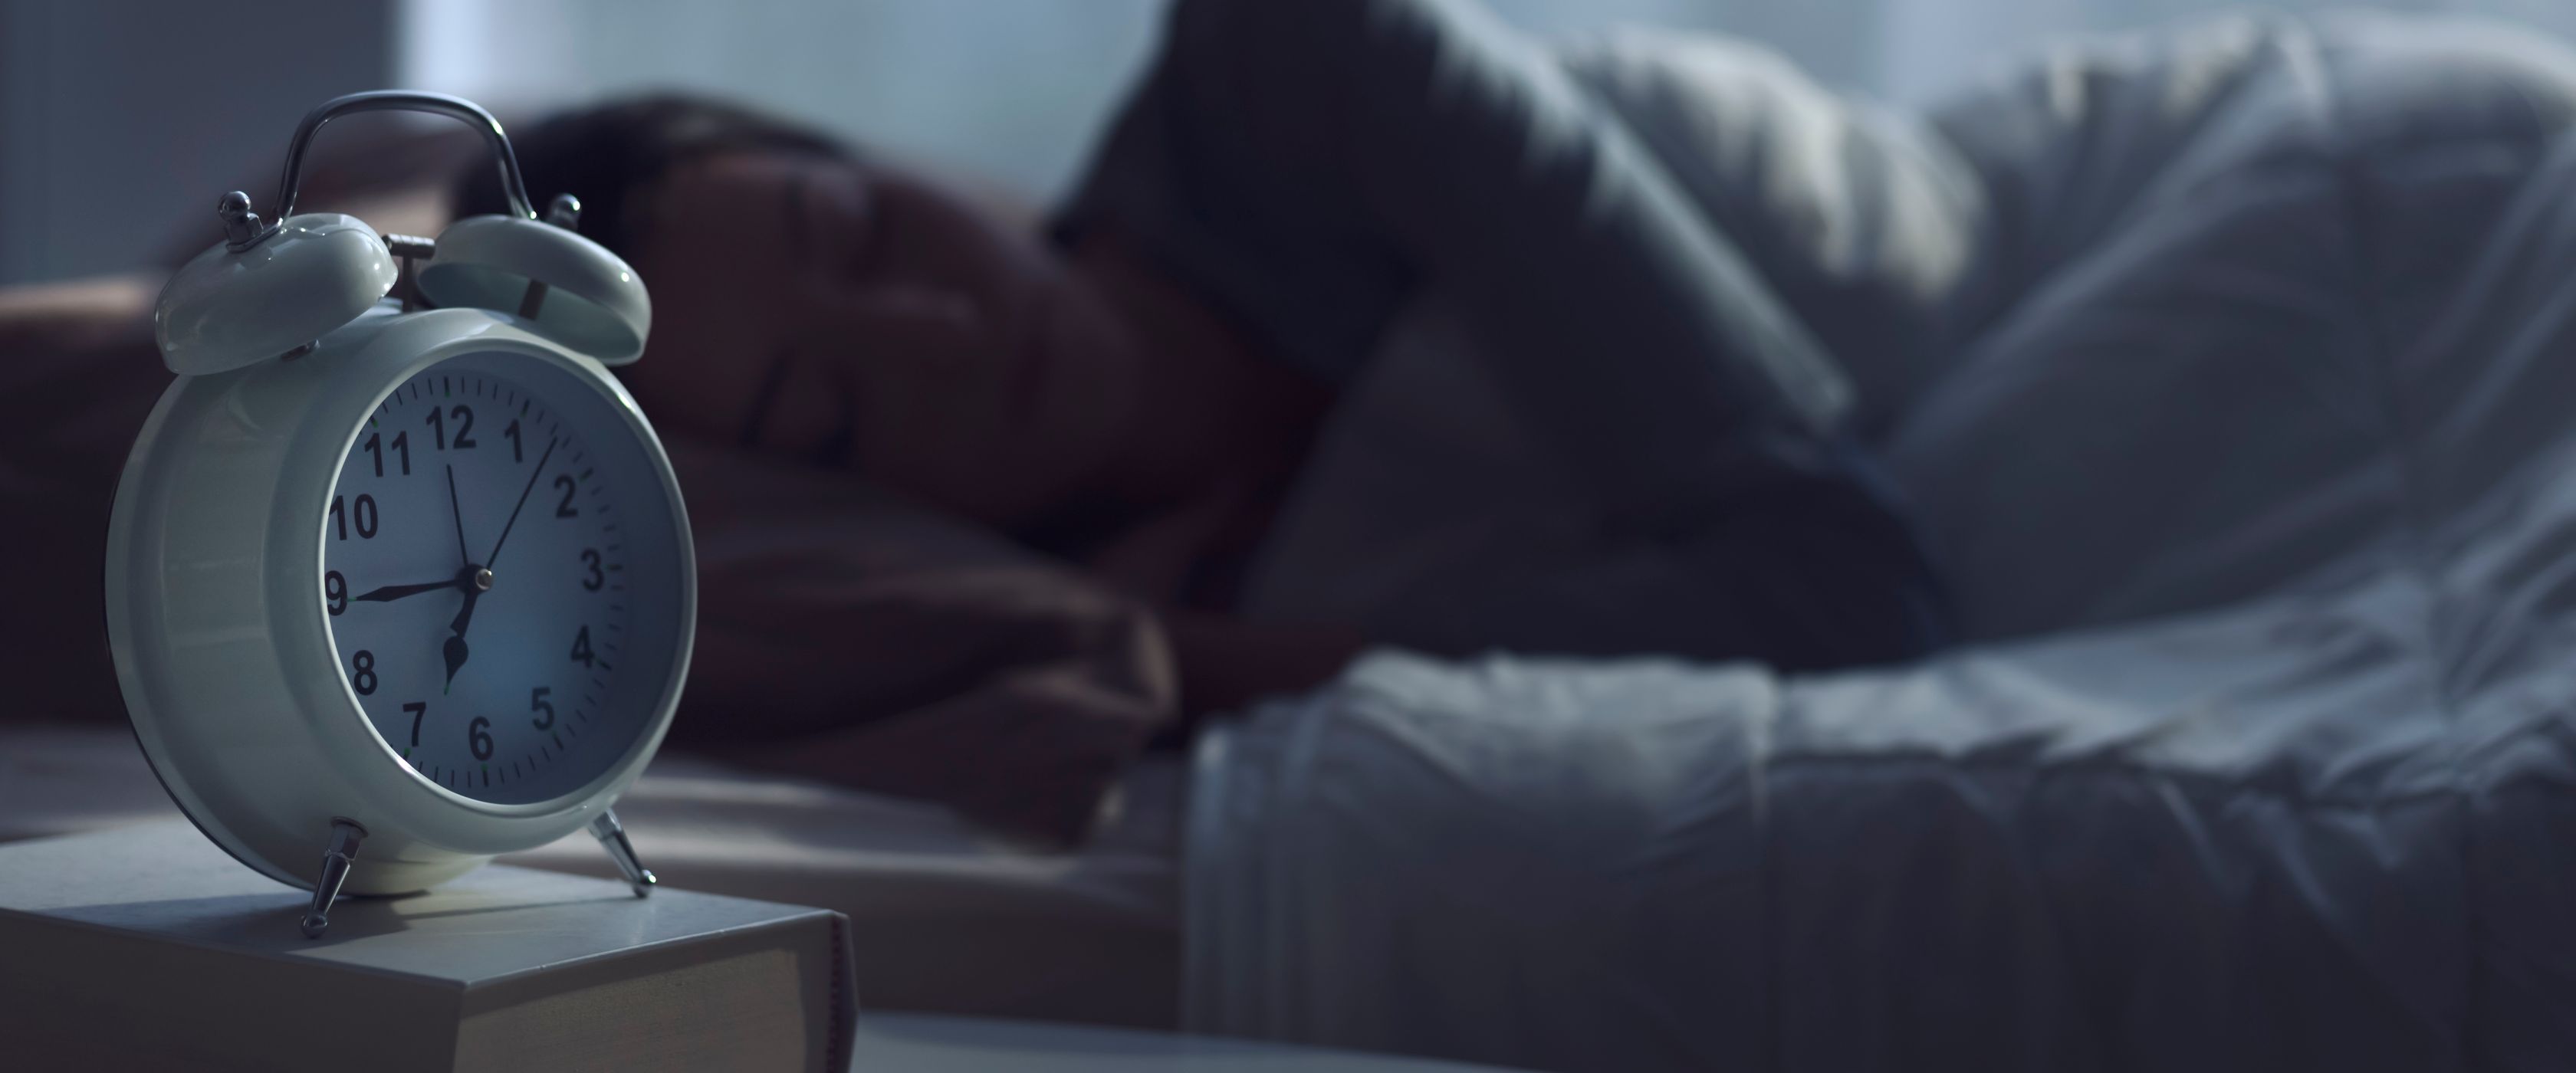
<point x="345" y="836"/>
<point x="612" y="837"/>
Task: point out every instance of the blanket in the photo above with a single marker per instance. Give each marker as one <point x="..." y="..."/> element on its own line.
<point x="2239" y="409"/>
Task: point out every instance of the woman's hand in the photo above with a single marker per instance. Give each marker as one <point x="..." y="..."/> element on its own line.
<point x="1226" y="663"/>
<point x="1153" y="560"/>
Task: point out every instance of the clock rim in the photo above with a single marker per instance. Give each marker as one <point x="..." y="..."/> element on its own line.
<point x="420" y="833"/>
<point x="316" y="618"/>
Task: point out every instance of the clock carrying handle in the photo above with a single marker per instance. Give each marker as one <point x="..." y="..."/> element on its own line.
<point x="242" y="227"/>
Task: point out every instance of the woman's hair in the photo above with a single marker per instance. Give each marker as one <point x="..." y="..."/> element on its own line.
<point x="607" y="154"/>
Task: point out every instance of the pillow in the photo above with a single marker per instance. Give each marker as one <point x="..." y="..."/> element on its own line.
<point x="847" y="634"/>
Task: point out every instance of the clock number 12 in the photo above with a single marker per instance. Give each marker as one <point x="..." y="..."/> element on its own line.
<point x="464" y="418"/>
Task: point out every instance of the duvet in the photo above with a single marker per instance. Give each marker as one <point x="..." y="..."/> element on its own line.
<point x="2233" y="372"/>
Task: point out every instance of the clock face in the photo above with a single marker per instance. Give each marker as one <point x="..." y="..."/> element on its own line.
<point x="501" y="577"/>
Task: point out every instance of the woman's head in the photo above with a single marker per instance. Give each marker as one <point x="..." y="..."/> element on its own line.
<point x="814" y="303"/>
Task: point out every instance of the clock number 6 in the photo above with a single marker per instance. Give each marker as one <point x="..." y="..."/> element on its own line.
<point x="478" y="737"/>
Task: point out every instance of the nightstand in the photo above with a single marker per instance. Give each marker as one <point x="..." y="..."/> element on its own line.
<point x="917" y="1043"/>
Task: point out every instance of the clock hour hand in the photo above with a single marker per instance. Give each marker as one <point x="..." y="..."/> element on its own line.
<point x="476" y="582"/>
<point x="456" y="651"/>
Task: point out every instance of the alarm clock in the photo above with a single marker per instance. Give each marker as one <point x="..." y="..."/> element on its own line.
<point x="398" y="577"/>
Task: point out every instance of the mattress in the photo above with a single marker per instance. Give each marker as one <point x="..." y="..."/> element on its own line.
<point x="945" y="918"/>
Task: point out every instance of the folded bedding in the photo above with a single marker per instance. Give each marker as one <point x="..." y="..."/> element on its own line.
<point x="2236" y="408"/>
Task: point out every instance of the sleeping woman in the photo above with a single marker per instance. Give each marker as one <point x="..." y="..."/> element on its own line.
<point x="980" y="499"/>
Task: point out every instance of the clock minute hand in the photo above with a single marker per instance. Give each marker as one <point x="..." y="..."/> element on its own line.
<point x="390" y="593"/>
<point x="458" y="513"/>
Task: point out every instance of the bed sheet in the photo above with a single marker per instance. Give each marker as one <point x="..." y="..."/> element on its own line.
<point x="944" y="917"/>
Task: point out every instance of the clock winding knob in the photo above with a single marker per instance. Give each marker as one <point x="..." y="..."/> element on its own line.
<point x="241" y="226"/>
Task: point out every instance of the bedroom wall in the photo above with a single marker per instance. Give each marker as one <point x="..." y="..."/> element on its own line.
<point x="1013" y="89"/>
<point x="1010" y="90"/>
<point x="121" y="120"/>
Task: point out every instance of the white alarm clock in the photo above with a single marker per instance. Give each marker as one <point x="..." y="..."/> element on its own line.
<point x="399" y="579"/>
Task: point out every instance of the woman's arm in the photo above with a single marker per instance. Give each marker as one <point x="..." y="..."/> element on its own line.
<point x="1313" y="166"/>
<point x="1310" y="165"/>
<point x="1222" y="661"/>
<point x="1226" y="663"/>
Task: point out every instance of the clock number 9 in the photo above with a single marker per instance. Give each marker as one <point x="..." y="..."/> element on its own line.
<point x="364" y="514"/>
<point x="362" y="672"/>
<point x="335" y="591"/>
<point x="478" y="737"/>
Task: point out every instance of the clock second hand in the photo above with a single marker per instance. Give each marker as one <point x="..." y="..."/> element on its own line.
<point x="479" y="580"/>
<point x="513" y="523"/>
